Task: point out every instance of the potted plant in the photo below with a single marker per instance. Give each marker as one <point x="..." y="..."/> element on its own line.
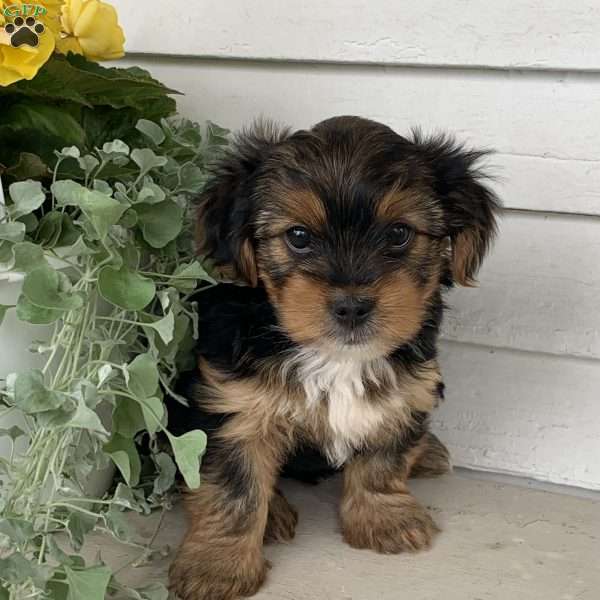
<point x="98" y="174"/>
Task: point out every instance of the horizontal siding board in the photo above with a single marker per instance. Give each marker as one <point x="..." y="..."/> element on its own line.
<point x="539" y="289"/>
<point x="518" y="34"/>
<point x="545" y="129"/>
<point x="521" y="413"/>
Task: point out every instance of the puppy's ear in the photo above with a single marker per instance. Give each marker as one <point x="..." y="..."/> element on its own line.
<point x="470" y="206"/>
<point x="224" y="226"/>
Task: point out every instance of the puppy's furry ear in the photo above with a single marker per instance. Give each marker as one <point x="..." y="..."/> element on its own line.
<point x="470" y="205"/>
<point x="225" y="210"/>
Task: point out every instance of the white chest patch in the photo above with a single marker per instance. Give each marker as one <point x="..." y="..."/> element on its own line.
<point x="340" y="383"/>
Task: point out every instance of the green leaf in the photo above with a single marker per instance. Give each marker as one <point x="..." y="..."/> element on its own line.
<point x="49" y="289"/>
<point x="150" y="194"/>
<point x="160" y="223"/>
<point x="57" y="590"/>
<point x="91" y="84"/>
<point x="125" y="288"/>
<point x="147" y="160"/>
<point x="153" y="410"/>
<point x="88" y="163"/>
<point x="101" y="210"/>
<point x="166" y="473"/>
<point x="79" y="248"/>
<point x="186" y="276"/>
<point x="90" y="584"/>
<point x="124" y="454"/>
<point x="49" y="229"/>
<point x="16" y="569"/>
<point x="78" y="526"/>
<point x="43" y="125"/>
<point x="82" y="417"/>
<point x="12" y="232"/>
<point x="30" y="221"/>
<point x="118" y="524"/>
<point x="165" y="327"/>
<point x="102" y="186"/>
<point x="116" y="147"/>
<point x="67" y="192"/>
<point x="31" y="394"/>
<point x="30" y="313"/>
<point x="18" y="531"/>
<point x="69" y="152"/>
<point x="142" y="376"/>
<point x="124" y="497"/>
<point x="188" y="449"/>
<point x="27" y="196"/>
<point x="191" y="179"/>
<point x="28" y="257"/>
<point x="151" y="130"/>
<point x="56" y="229"/>
<point x="127" y="418"/>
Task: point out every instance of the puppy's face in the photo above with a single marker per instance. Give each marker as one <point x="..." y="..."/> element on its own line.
<point x="350" y="227"/>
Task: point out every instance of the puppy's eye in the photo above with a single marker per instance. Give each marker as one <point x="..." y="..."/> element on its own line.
<point x="400" y="236"/>
<point x="298" y="239"/>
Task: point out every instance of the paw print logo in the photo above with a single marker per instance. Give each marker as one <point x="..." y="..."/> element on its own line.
<point x="24" y="32"/>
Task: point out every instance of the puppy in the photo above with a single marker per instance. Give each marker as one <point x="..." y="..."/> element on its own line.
<point x="346" y="235"/>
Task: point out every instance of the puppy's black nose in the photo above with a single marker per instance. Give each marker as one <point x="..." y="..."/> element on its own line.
<point x="351" y="311"/>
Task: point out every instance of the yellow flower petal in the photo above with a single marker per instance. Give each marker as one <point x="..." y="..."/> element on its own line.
<point x="87" y="21"/>
<point x="95" y="28"/>
<point x="68" y="44"/>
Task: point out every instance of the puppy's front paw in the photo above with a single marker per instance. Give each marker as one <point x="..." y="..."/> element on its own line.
<point x="387" y="523"/>
<point x="282" y="520"/>
<point x="200" y="578"/>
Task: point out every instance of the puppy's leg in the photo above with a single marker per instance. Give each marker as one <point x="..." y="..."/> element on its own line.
<point x="429" y="458"/>
<point x="378" y="512"/>
<point x="221" y="557"/>
<point x="282" y="519"/>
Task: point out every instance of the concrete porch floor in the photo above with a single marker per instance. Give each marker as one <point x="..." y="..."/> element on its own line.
<point x="499" y="542"/>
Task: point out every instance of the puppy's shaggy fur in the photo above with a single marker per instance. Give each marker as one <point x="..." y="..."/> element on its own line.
<point x="346" y="236"/>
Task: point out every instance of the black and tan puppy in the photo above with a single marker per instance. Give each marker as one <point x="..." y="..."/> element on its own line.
<point x="346" y="235"/>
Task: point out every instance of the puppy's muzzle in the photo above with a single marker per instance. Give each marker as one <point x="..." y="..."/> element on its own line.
<point x="351" y="311"/>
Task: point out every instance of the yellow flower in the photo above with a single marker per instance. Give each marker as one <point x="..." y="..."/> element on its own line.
<point x="91" y="29"/>
<point x="25" y="61"/>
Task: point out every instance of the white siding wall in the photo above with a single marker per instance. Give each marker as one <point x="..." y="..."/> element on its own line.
<point x="521" y="354"/>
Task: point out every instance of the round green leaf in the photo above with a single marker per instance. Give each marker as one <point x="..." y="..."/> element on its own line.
<point x="142" y="376"/>
<point x="26" y="196"/>
<point x="31" y="394"/>
<point x="125" y="288"/>
<point x="151" y="130"/>
<point x="160" y="223"/>
<point x="44" y="287"/>
<point x="47" y="288"/>
<point x="116" y="147"/>
<point x="147" y="160"/>
<point x="28" y="257"/>
<point x="30" y="313"/>
<point x="12" y="232"/>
